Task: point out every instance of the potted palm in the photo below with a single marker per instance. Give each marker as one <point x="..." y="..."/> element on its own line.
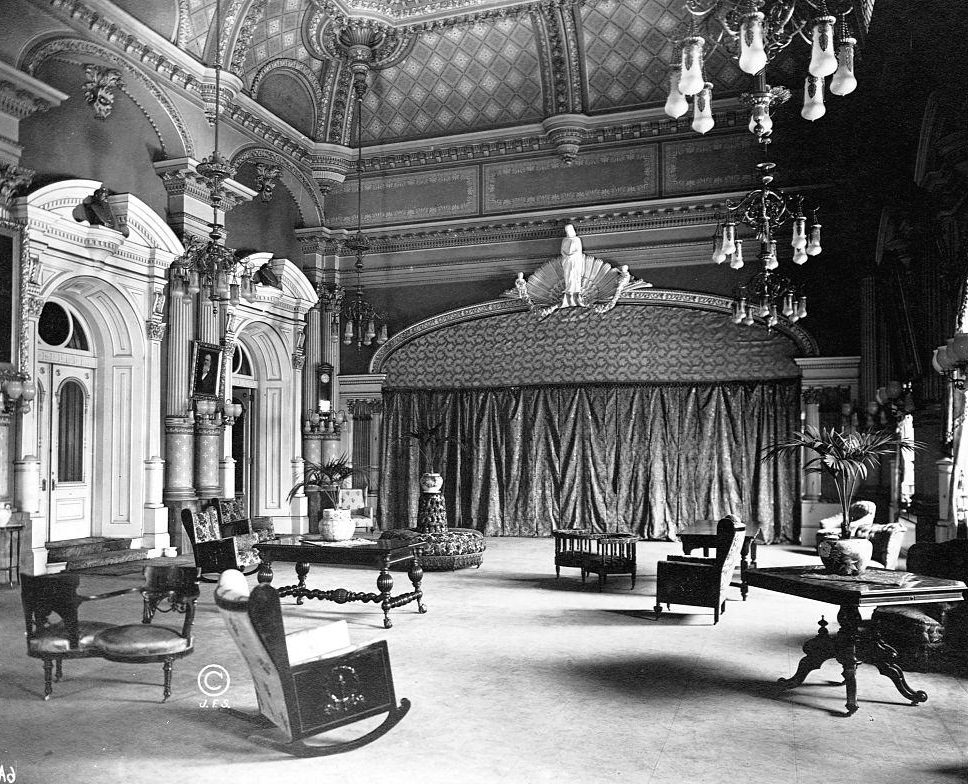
<point x="431" y="440"/>
<point x="325" y="479"/>
<point x="846" y="459"/>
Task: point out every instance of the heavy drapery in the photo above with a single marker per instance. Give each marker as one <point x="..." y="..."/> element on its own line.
<point x="648" y="458"/>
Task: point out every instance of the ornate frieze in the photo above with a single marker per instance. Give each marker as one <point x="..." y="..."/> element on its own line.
<point x="20" y="103"/>
<point x="364" y="408"/>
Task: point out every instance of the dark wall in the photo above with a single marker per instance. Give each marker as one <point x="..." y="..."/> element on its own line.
<point x="68" y="141"/>
<point x="265" y="227"/>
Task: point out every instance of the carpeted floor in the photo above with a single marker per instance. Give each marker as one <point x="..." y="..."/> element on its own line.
<point x="514" y="677"/>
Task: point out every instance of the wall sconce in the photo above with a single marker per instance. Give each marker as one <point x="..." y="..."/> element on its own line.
<point x="211" y="409"/>
<point x="325" y="420"/>
<point x="17" y="393"/>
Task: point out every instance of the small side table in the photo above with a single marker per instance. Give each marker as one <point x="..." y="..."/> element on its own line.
<point x="12" y="532"/>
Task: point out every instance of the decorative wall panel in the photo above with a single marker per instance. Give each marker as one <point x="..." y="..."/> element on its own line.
<point x="593" y="177"/>
<point x="631" y="344"/>
<point x="400" y="198"/>
<point x="722" y="163"/>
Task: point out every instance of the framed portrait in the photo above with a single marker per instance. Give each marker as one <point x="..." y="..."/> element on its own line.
<point x="206" y="369"/>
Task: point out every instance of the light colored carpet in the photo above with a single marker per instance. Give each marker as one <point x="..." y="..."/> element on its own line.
<point x="514" y="677"/>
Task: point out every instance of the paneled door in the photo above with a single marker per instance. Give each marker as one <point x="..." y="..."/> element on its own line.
<point x="68" y="418"/>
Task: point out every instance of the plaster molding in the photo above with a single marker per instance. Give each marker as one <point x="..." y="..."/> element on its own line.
<point x="21" y="95"/>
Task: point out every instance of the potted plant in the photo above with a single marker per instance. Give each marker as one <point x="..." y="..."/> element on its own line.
<point x="431" y="440"/>
<point x="846" y="459"/>
<point x="325" y="479"/>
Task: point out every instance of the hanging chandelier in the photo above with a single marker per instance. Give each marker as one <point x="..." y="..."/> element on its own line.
<point x="768" y="294"/>
<point x="754" y="32"/>
<point x="208" y="267"/>
<point x="362" y="323"/>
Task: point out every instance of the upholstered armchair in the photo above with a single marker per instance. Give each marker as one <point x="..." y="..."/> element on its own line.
<point x="886" y="538"/>
<point x="702" y="582"/>
<point x="309" y="681"/>
<point x="930" y="636"/>
<point x="361" y="514"/>
<point x="215" y="548"/>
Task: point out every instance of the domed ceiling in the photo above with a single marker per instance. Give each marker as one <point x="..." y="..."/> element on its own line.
<point x="447" y="67"/>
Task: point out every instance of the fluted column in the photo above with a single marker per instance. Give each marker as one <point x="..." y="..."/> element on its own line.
<point x="811" y="481"/>
<point x="155" y="527"/>
<point x="179" y="420"/>
<point x="226" y="465"/>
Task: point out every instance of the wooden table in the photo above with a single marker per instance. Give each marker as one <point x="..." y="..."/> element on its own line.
<point x="380" y="553"/>
<point x="854" y="643"/>
<point x="702" y="534"/>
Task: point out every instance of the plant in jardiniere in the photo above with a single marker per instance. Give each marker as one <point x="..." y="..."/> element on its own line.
<point x="326" y="478"/>
<point x="431" y="441"/>
<point x="845" y="457"/>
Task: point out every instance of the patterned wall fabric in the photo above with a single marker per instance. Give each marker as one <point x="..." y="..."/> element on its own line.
<point x="631" y="344"/>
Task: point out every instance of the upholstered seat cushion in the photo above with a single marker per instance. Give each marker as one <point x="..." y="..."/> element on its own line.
<point x="245" y="555"/>
<point x="454" y="548"/>
<point x="206" y="526"/>
<point x="138" y="640"/>
<point x="53" y="640"/>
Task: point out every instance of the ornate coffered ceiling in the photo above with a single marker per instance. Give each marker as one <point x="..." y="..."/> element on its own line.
<point x="448" y="67"/>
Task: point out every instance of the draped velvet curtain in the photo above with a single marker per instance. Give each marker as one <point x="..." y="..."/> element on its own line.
<point x="647" y="458"/>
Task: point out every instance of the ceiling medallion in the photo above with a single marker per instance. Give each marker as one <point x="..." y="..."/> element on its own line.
<point x="574" y="280"/>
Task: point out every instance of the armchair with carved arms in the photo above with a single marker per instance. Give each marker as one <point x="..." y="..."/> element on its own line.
<point x="217" y="547"/>
<point x="702" y="582"/>
<point x="309" y="681"/>
<point x="885" y="537"/>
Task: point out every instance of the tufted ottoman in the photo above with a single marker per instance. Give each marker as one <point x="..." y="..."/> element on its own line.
<point x="444" y="550"/>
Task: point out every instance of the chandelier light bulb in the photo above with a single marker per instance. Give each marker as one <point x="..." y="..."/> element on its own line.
<point x="844" y="81"/>
<point x="788" y="304"/>
<point x="760" y="121"/>
<point x="718" y="256"/>
<point x="676" y="104"/>
<point x="769" y="255"/>
<point x="736" y="262"/>
<point x="729" y="238"/>
<point x="739" y="311"/>
<point x="801" y="308"/>
<point x="748" y="321"/>
<point x="348" y="334"/>
<point x="813" y="247"/>
<point x="702" y="110"/>
<point x="813" y="108"/>
<point x="691" y="80"/>
<point x="382" y="337"/>
<point x="823" y="61"/>
<point x="800" y="256"/>
<point x="799" y="241"/>
<point x="752" y="49"/>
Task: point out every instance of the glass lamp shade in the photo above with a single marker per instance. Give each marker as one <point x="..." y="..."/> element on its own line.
<point x="676" y="104"/>
<point x="788" y="305"/>
<point x="13" y="389"/>
<point x="691" y="80"/>
<point x="194" y="285"/>
<point x="813" y="108"/>
<point x="799" y="240"/>
<point x="844" y="82"/>
<point x="736" y="262"/>
<point x="729" y="238"/>
<point x="752" y="51"/>
<point x="383" y="336"/>
<point x="801" y="308"/>
<point x="769" y="256"/>
<point x="702" y="110"/>
<point x="813" y="247"/>
<point x="29" y="391"/>
<point x="348" y="333"/>
<point x="800" y="256"/>
<point x="739" y="311"/>
<point x="760" y="121"/>
<point x="823" y="61"/>
<point x="718" y="256"/>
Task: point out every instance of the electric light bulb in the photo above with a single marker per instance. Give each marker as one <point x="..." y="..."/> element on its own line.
<point x="752" y="50"/>
<point x="676" y="104"/>
<point x="802" y="308"/>
<point x="823" y="61"/>
<point x="799" y="240"/>
<point x="739" y="311"/>
<point x="844" y="81"/>
<point x="718" y="256"/>
<point x="788" y="304"/>
<point x="348" y="333"/>
<point x="691" y="80"/>
<point x="813" y="108"/>
<point x="702" y="110"/>
<point x="760" y="121"/>
<point x="748" y="321"/>
<point x="769" y="258"/>
<point x="799" y="256"/>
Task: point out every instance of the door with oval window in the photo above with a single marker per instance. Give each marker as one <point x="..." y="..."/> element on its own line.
<point x="66" y="421"/>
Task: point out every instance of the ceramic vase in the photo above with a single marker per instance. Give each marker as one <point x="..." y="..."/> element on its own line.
<point x="336" y="525"/>
<point x="431" y="482"/>
<point x="845" y="557"/>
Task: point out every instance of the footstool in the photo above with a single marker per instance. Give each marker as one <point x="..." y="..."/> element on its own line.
<point x="444" y="550"/>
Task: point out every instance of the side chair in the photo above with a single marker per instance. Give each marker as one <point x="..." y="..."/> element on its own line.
<point x="702" y="582"/>
<point x="166" y="589"/>
<point x="217" y="546"/>
<point x="309" y="681"/>
<point x="70" y="638"/>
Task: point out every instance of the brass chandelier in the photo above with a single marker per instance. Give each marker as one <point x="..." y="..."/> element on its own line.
<point x="754" y="32"/>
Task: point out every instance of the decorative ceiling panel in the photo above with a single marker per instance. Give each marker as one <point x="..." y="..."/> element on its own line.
<point x="200" y="16"/>
<point x="457" y="80"/>
<point x="278" y="35"/>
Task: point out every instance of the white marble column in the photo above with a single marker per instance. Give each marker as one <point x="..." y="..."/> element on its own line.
<point x="155" y="528"/>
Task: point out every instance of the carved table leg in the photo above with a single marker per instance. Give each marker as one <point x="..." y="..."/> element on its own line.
<point x="884" y="657"/>
<point x="847" y="638"/>
<point x="743" y="566"/>
<point x="58" y="669"/>
<point x="416" y="575"/>
<point x="48" y="673"/>
<point x="265" y="572"/>
<point x="302" y="569"/>
<point x="167" y="667"/>
<point x="384" y="584"/>
<point x="817" y="649"/>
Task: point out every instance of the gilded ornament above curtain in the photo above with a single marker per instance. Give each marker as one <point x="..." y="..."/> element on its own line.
<point x="574" y="280"/>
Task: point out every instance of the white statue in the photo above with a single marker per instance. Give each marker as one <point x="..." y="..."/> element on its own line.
<point x="573" y="265"/>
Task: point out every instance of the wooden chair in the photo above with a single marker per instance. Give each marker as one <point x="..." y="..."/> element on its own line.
<point x="166" y="589"/>
<point x="572" y="546"/>
<point x="217" y="548"/>
<point x="306" y="682"/>
<point x="70" y="638"/>
<point x="614" y="554"/>
<point x="702" y="582"/>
